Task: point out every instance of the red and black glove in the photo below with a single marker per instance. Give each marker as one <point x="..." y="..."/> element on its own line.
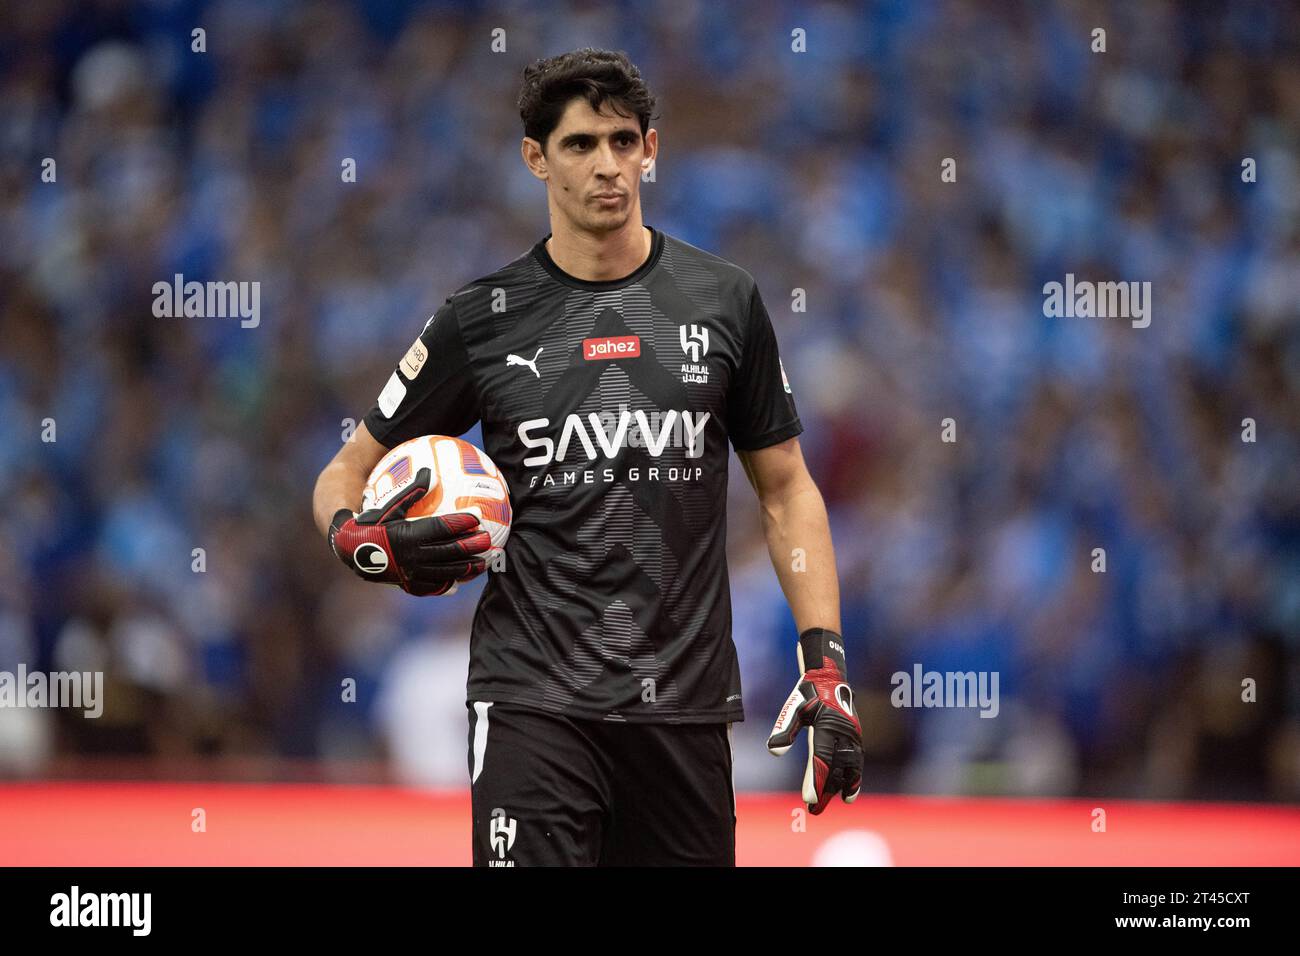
<point x="422" y="556"/>
<point x="823" y="702"/>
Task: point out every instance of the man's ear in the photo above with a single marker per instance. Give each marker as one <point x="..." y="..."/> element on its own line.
<point x="651" y="147"/>
<point x="534" y="158"/>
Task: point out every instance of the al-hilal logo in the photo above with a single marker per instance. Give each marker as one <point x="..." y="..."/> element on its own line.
<point x="501" y="834"/>
<point x="695" y="345"/>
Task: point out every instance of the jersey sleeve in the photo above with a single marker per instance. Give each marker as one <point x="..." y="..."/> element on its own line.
<point x="431" y="392"/>
<point x="760" y="405"/>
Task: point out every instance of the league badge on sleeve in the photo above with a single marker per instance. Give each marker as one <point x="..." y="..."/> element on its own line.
<point x="414" y="360"/>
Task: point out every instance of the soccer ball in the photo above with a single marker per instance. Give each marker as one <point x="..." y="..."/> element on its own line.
<point x="464" y="478"/>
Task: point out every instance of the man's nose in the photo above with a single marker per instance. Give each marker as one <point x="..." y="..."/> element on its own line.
<point x="606" y="164"/>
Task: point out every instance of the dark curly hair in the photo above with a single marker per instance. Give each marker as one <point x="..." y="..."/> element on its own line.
<point x="599" y="75"/>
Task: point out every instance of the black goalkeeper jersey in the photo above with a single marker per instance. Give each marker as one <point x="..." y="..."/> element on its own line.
<point x="608" y="407"/>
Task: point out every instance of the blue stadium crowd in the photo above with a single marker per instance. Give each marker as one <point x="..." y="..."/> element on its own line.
<point x="157" y="471"/>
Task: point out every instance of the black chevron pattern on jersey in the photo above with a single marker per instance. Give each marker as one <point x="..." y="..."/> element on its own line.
<point x="647" y="372"/>
<point x="616" y="683"/>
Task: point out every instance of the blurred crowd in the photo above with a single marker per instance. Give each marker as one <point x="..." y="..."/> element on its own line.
<point x="164" y="534"/>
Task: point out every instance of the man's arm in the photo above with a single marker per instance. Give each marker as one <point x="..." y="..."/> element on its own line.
<point x="341" y="482"/>
<point x="430" y="555"/>
<point x="794" y="516"/>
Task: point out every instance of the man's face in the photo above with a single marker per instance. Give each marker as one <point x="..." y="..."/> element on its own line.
<point x="592" y="165"/>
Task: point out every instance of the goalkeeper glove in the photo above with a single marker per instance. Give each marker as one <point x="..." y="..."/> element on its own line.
<point x="823" y="702"/>
<point x="423" y="556"/>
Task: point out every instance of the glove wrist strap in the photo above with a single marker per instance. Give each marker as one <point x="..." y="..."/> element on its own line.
<point x="821" y="647"/>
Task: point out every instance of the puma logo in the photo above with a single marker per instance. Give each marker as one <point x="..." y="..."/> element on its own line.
<point x="513" y="359"/>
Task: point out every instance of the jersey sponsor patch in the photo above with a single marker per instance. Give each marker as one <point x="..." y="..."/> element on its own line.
<point x="784" y="381"/>
<point x="414" y="359"/>
<point x="392" y="395"/>
<point x="611" y="347"/>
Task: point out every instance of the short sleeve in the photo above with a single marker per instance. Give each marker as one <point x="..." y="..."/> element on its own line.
<point x="431" y="392"/>
<point x="760" y="405"/>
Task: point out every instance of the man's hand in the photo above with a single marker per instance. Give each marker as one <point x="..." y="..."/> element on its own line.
<point x="822" y="702"/>
<point x="422" y="556"/>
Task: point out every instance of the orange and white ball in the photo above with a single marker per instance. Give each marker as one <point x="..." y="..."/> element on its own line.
<point x="463" y="478"/>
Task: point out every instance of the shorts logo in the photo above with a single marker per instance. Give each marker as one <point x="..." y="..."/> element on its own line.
<point x="695" y="345"/>
<point x="501" y="835"/>
<point x="611" y="347"/>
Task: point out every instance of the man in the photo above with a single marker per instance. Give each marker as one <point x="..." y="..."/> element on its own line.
<point x="609" y="365"/>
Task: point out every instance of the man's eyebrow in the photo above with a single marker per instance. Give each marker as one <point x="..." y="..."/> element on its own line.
<point x="583" y="135"/>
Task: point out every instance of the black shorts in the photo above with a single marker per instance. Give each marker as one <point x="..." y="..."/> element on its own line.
<point x="550" y="790"/>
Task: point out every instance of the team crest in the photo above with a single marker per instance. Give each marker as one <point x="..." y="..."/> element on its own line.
<point x="501" y="835"/>
<point x="695" y="345"/>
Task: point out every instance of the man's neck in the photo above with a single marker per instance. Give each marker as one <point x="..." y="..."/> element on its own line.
<point x="599" y="258"/>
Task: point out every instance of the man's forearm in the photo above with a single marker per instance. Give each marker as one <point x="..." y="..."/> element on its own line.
<point x="798" y="536"/>
<point x="339" y="486"/>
